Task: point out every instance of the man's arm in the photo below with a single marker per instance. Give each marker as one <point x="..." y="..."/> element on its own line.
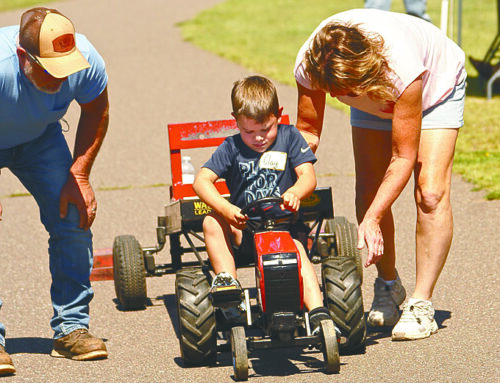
<point x="310" y="113"/>
<point x="92" y="127"/>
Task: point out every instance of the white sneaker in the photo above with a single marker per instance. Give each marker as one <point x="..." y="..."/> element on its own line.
<point x="386" y="301"/>
<point x="417" y="321"/>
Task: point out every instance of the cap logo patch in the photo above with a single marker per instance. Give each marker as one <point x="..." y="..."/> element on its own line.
<point x="63" y="43"/>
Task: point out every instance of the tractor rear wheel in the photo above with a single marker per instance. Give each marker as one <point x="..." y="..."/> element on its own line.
<point x="342" y="292"/>
<point x="196" y="317"/>
<point x="346" y="241"/>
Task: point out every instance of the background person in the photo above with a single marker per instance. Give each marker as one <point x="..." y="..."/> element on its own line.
<point x="44" y="66"/>
<point x="405" y="83"/>
<point x="413" y="7"/>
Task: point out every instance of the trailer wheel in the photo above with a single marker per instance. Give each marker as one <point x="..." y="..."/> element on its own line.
<point x="342" y="293"/>
<point x="129" y="273"/>
<point x="239" y="353"/>
<point x="346" y="241"/>
<point x="196" y="317"/>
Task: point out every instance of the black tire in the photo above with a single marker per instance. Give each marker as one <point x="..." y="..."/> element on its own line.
<point x="129" y="273"/>
<point x="330" y="346"/>
<point x="196" y="316"/>
<point x="343" y="297"/>
<point x="239" y="353"/>
<point x="346" y="241"/>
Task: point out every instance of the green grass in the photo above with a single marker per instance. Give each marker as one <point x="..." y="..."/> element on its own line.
<point x="264" y="36"/>
<point x="6" y="5"/>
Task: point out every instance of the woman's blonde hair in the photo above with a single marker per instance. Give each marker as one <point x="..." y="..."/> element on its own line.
<point x="343" y="58"/>
<point x="255" y="97"/>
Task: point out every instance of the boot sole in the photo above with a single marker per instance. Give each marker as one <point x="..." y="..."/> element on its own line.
<point x="7" y="369"/>
<point x="99" y="354"/>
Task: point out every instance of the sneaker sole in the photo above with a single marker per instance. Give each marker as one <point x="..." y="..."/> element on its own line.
<point x="382" y="323"/>
<point x="100" y="354"/>
<point x="415" y="336"/>
<point x="7" y="369"/>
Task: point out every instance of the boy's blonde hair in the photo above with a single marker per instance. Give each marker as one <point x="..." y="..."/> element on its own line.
<point x="255" y="97"/>
<point x="343" y="57"/>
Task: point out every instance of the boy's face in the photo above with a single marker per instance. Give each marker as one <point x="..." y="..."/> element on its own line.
<point x="258" y="136"/>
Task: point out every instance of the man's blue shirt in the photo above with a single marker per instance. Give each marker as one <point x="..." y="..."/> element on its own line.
<point x="25" y="111"/>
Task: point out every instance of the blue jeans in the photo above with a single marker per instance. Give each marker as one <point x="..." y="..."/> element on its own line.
<point x="42" y="165"/>
<point x="413" y="7"/>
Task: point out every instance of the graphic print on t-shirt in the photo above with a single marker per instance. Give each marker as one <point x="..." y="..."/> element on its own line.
<point x="262" y="175"/>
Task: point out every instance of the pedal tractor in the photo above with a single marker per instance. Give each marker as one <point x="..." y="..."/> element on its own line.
<point x="276" y="316"/>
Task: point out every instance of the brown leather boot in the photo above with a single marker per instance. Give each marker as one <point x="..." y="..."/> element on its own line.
<point x="79" y="345"/>
<point x="6" y="365"/>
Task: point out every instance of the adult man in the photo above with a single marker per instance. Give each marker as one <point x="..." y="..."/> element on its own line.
<point x="44" y="66"/>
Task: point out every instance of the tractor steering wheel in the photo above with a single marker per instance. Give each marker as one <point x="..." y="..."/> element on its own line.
<point x="268" y="220"/>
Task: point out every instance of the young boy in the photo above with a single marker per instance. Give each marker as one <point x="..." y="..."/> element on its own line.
<point x="265" y="159"/>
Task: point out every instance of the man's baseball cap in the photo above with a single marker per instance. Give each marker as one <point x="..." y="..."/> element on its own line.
<point x="49" y="36"/>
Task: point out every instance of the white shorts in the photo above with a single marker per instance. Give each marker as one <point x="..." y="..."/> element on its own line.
<point x="447" y="114"/>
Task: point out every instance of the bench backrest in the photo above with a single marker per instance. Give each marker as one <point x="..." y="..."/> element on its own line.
<point x="194" y="135"/>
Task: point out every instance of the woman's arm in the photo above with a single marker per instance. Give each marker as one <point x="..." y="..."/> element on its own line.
<point x="406" y="125"/>
<point x="310" y="113"/>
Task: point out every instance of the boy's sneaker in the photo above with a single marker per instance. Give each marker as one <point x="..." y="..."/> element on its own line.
<point x="386" y="301"/>
<point x="6" y="365"/>
<point x="79" y="345"/>
<point x="417" y="321"/>
<point x="316" y="316"/>
<point x="225" y="291"/>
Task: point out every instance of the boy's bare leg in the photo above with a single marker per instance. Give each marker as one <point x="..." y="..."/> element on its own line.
<point x="218" y="235"/>
<point x="312" y="292"/>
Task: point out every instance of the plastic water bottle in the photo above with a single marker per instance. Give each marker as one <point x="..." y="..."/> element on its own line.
<point x="187" y="170"/>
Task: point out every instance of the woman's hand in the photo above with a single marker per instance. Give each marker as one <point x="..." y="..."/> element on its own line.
<point x="369" y="232"/>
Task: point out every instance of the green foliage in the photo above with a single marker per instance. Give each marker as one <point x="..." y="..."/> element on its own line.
<point x="16" y="4"/>
<point x="264" y="36"/>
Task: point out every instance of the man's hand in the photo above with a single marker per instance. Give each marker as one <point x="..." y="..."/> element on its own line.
<point x="369" y="232"/>
<point x="78" y="191"/>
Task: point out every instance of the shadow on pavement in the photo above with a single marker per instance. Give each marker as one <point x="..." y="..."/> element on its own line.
<point x="170" y="302"/>
<point x="29" y="345"/>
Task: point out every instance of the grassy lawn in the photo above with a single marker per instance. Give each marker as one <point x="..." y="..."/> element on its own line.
<point x="6" y="5"/>
<point x="264" y="37"/>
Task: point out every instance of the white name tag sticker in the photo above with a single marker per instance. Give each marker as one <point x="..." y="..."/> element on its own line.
<point x="273" y="160"/>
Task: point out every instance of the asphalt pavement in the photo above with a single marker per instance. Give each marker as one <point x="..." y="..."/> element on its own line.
<point x="154" y="79"/>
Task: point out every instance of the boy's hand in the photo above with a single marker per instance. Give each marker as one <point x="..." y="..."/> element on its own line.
<point x="235" y="218"/>
<point x="290" y="202"/>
